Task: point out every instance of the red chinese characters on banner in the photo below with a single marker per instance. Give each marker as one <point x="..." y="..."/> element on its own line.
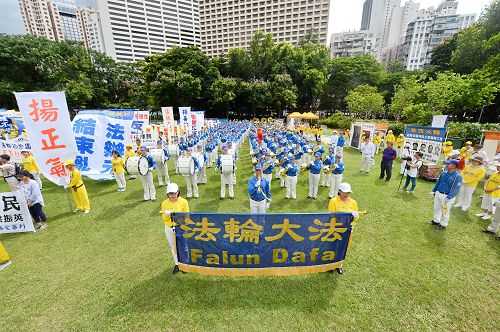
<point x="47" y="111"/>
<point x="57" y="168"/>
<point x="52" y="140"/>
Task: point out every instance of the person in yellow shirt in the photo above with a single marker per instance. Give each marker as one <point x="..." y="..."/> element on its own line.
<point x="399" y="145"/>
<point x="31" y="166"/>
<point x="376" y="141"/>
<point x="471" y="175"/>
<point x="448" y="147"/>
<point x="4" y="257"/>
<point x="491" y="194"/>
<point x="390" y="138"/>
<point x="466" y="151"/>
<point x="118" y="166"/>
<point x="129" y="152"/>
<point x="77" y="187"/>
<point x="344" y="203"/>
<point x="174" y="203"/>
<point x="138" y="143"/>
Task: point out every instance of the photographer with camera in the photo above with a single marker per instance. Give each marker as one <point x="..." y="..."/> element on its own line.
<point x="412" y="167"/>
<point x="405" y="156"/>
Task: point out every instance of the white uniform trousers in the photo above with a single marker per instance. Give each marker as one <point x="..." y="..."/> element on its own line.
<point x="226" y="179"/>
<point x="488" y="203"/>
<point x="175" y="159"/>
<point x="365" y="163"/>
<point x="335" y="180"/>
<point x="277" y="172"/>
<point x="495" y="223"/>
<point x="148" y="186"/>
<point x="120" y="179"/>
<point x="313" y="185"/>
<point x="339" y="150"/>
<point x="192" y="185"/>
<point x="269" y="177"/>
<point x="377" y="148"/>
<point x="202" y="175"/>
<point x="442" y="209"/>
<point x="464" y="197"/>
<point x="257" y="207"/>
<point x="291" y="186"/>
<point x="162" y="173"/>
<point x="210" y="156"/>
<point x="282" y="180"/>
<point x="325" y="179"/>
<point x="170" y="235"/>
<point x="36" y="175"/>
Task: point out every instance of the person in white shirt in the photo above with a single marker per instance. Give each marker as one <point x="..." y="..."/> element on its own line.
<point x="412" y="172"/>
<point x="367" y="151"/>
<point x="334" y="139"/>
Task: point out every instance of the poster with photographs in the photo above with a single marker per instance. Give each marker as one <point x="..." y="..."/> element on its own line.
<point x="428" y="140"/>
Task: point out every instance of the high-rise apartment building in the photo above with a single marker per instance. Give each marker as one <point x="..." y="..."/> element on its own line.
<point x="352" y="44"/>
<point x="69" y="23"/>
<point x="41" y="18"/>
<point x="228" y="24"/>
<point x="89" y="23"/>
<point x="134" y="29"/>
<point x="430" y="30"/>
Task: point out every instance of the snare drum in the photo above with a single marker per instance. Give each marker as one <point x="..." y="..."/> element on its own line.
<point x="227" y="164"/>
<point x="158" y="155"/>
<point x="185" y="166"/>
<point x="137" y="165"/>
<point x="174" y="150"/>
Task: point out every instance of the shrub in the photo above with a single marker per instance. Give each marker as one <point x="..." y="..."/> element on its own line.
<point x="338" y="121"/>
<point x="397" y="128"/>
<point x="469" y="131"/>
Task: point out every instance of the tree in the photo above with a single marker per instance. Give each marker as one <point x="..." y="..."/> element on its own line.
<point x="175" y="88"/>
<point x="365" y="99"/>
<point x="283" y="93"/>
<point x="408" y="93"/>
<point x="260" y="53"/>
<point x="238" y="64"/>
<point x="223" y="92"/>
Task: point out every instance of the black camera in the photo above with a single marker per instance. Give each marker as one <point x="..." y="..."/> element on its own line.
<point x="408" y="159"/>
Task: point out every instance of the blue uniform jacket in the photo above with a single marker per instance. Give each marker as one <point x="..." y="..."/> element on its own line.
<point x="449" y="184"/>
<point x="292" y="170"/>
<point x="253" y="189"/>
<point x="339" y="169"/>
<point x="316" y="167"/>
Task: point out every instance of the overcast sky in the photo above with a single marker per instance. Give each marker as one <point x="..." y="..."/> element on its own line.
<point x="345" y="15"/>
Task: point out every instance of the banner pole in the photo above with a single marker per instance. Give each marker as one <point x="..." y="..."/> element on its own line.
<point x="69" y="201"/>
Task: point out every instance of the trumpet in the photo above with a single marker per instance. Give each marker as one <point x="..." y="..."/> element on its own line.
<point x="254" y="161"/>
<point x="276" y="163"/>
<point x="283" y="172"/>
<point x="310" y="152"/>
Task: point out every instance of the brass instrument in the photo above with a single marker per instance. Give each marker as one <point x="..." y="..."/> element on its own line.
<point x="272" y="154"/>
<point x="327" y="169"/>
<point x="310" y="152"/>
<point x="276" y="163"/>
<point x="254" y="161"/>
<point x="267" y="164"/>
<point x="303" y="166"/>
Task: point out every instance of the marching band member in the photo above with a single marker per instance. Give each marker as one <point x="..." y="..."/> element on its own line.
<point x="341" y="143"/>
<point x="129" y="152"/>
<point x="291" y="178"/>
<point x="329" y="160"/>
<point x="147" y="180"/>
<point x="285" y="161"/>
<point x="336" y="175"/>
<point x="209" y="149"/>
<point x="344" y="203"/>
<point x="315" y="167"/>
<point x="267" y="168"/>
<point x="118" y="166"/>
<point x="183" y="145"/>
<point x="8" y="170"/>
<point x="319" y="147"/>
<point x="367" y="151"/>
<point x="235" y="149"/>
<point x="334" y="139"/>
<point x="202" y="160"/>
<point x="175" y="157"/>
<point x="163" y="168"/>
<point x="30" y="165"/>
<point x="281" y="152"/>
<point x="259" y="191"/>
<point x="77" y="186"/>
<point x="192" y="179"/>
<point x="225" y="178"/>
<point x="173" y="203"/>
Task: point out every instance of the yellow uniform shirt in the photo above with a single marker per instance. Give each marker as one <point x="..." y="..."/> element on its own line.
<point x="337" y="205"/>
<point x="466" y="153"/>
<point x="390" y="138"/>
<point x="181" y="205"/>
<point x="4" y="255"/>
<point x="75" y="178"/>
<point x="492" y="183"/>
<point x="129" y="153"/>
<point x="376" y="139"/>
<point x="399" y="142"/>
<point x="118" y="165"/>
<point x="471" y="175"/>
<point x="447" y="150"/>
<point x="30" y="165"/>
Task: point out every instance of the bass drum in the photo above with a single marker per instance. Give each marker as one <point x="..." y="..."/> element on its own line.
<point x="174" y="150"/>
<point x="158" y="155"/>
<point x="137" y="165"/>
<point x="227" y="164"/>
<point x="185" y="166"/>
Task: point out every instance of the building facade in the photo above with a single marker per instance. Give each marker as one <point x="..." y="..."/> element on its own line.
<point x="41" y="18"/>
<point x="352" y="44"/>
<point x="89" y="23"/>
<point x="134" y="29"/>
<point x="69" y="23"/>
<point x="228" y="24"/>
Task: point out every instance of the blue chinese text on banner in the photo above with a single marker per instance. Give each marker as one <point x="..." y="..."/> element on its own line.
<point x="269" y="244"/>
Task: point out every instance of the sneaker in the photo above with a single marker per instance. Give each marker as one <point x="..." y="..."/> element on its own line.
<point x="486" y="230"/>
<point x="123" y="189"/>
<point x="486" y="217"/>
<point x="411" y="191"/>
<point x="464" y="210"/>
<point x="222" y="198"/>
<point x="119" y="189"/>
<point x="231" y="198"/>
<point x="87" y="211"/>
<point x="77" y="210"/>
<point x="43" y="226"/>
<point x="7" y="263"/>
<point x="457" y="205"/>
<point x="153" y="199"/>
<point x="442" y="227"/>
<point x="481" y="214"/>
<point x="432" y="222"/>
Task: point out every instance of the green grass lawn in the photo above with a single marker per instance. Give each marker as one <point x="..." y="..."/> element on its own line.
<point x="111" y="269"/>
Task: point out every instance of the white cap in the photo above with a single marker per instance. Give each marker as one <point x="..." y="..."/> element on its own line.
<point x="172" y="188"/>
<point x="454" y="152"/>
<point x="345" y="187"/>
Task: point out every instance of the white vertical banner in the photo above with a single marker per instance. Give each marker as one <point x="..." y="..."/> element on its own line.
<point x="14" y="216"/>
<point x="185" y="118"/>
<point x="168" y="116"/>
<point x="199" y="121"/>
<point x="46" y="118"/>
